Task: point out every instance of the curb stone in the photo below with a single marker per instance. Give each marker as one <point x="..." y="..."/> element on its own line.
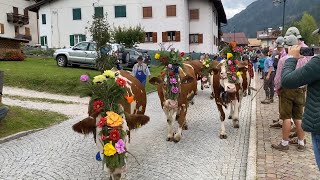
<point x="19" y="135"/>
<point x="251" y="172"/>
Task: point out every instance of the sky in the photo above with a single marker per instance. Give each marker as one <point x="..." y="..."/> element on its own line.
<point x="232" y="7"/>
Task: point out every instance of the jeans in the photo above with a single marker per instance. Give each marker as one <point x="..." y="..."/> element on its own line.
<point x="255" y="66"/>
<point x="269" y="84"/>
<point x="316" y="147"/>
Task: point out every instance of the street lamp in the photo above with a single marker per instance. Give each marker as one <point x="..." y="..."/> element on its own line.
<point x="234" y="33"/>
<point x="277" y="3"/>
<point x="268" y="35"/>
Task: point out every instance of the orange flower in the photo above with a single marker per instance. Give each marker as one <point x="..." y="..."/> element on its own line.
<point x="113" y="119"/>
<point x="130" y="99"/>
<point x="233" y="44"/>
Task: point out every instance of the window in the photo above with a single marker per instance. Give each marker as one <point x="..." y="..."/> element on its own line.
<point x="27" y="31"/>
<point x="82" y="46"/>
<point x="171" y="36"/>
<point x="76" y="13"/>
<point x="98" y="11"/>
<point x="194" y="14"/>
<point x="92" y="47"/>
<point x="120" y="11"/>
<point x="171" y="10"/>
<point x="195" y="38"/>
<point x="44" y="19"/>
<point x="26" y="12"/>
<point x="76" y="38"/>
<point x="151" y="37"/>
<point x="16" y="30"/>
<point x="43" y="40"/>
<point x="147" y="12"/>
<point x="1" y="28"/>
<point x="15" y="10"/>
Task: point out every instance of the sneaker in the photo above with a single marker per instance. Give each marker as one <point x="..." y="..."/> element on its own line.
<point x="280" y="147"/>
<point x="301" y="148"/>
<point x="276" y="125"/>
<point x="266" y="101"/>
<point x="294" y="141"/>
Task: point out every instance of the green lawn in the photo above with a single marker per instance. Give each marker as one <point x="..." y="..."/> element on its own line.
<point x="20" y="119"/>
<point x="42" y="74"/>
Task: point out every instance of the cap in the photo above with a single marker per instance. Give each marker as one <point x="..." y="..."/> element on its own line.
<point x="294" y="31"/>
<point x="280" y="42"/>
<point x="290" y="40"/>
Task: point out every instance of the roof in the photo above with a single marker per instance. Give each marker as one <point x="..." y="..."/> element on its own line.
<point x="217" y="4"/>
<point x="254" y="42"/>
<point x="265" y="35"/>
<point x="239" y="38"/>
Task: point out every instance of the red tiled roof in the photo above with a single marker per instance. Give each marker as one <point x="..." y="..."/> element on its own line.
<point x="240" y="38"/>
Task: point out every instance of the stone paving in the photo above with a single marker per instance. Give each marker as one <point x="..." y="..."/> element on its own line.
<point x="60" y="153"/>
<point x="273" y="164"/>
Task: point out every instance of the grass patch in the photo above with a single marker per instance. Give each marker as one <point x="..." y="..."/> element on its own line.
<point x="20" y="119"/>
<point x="23" y="98"/>
<point x="42" y="74"/>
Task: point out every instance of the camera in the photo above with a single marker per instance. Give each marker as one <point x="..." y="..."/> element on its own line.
<point x="307" y="51"/>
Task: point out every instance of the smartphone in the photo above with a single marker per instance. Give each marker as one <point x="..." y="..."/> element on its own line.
<point x="307" y="51"/>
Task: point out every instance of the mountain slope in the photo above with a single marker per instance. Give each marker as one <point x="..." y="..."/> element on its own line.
<point x="262" y="14"/>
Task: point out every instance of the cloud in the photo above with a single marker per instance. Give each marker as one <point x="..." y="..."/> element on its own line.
<point x="232" y="7"/>
<point x="230" y="12"/>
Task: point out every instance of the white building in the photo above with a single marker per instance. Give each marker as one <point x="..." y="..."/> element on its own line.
<point x="187" y="25"/>
<point x="17" y="25"/>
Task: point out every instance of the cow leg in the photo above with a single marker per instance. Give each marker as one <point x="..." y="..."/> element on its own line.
<point x="170" y="130"/>
<point x="235" y="117"/>
<point x="181" y="121"/>
<point x="231" y="111"/>
<point x="212" y="95"/>
<point x="223" y="134"/>
<point x="201" y="85"/>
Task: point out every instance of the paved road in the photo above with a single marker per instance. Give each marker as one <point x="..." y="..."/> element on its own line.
<point x="60" y="153"/>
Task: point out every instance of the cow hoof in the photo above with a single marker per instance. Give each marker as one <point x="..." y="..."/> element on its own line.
<point x="249" y="93"/>
<point x="201" y="87"/>
<point x="185" y="127"/>
<point x="177" y="138"/>
<point x="192" y="103"/>
<point x="223" y="136"/>
<point x="169" y="138"/>
<point x="211" y="97"/>
<point x="236" y="124"/>
<point x="229" y="117"/>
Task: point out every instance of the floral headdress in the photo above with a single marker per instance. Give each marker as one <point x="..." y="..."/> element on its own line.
<point x="172" y="61"/>
<point x="106" y="91"/>
<point x="232" y="54"/>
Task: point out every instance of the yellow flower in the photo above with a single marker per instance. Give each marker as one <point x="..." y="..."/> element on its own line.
<point x="99" y="79"/>
<point x="204" y="63"/>
<point x="109" y="150"/>
<point x="157" y="56"/>
<point x="207" y="65"/>
<point x="239" y="74"/>
<point x="229" y="55"/>
<point x="109" y="74"/>
<point x="113" y="119"/>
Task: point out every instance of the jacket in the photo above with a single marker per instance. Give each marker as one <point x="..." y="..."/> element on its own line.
<point x="308" y="75"/>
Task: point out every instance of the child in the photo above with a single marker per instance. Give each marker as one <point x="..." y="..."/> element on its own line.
<point x="141" y="71"/>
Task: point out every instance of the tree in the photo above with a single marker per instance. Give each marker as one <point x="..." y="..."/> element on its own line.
<point x="101" y="33"/>
<point x="128" y="36"/>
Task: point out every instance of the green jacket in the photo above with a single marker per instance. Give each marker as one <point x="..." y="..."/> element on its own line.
<point x="309" y="75"/>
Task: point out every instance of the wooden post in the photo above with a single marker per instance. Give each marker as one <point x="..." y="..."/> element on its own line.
<point x="1" y="84"/>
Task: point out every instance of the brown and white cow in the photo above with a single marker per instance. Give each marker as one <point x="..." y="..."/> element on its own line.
<point x="177" y="110"/>
<point x="198" y="67"/>
<point x="133" y="114"/>
<point x="228" y="94"/>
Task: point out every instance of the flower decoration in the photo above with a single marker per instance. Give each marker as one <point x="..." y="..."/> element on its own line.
<point x="174" y="90"/>
<point x="129" y="99"/>
<point x="170" y="66"/>
<point x="113" y="119"/>
<point x="121" y="82"/>
<point x="102" y="122"/>
<point x="114" y="135"/>
<point x="182" y="54"/>
<point x="97" y="105"/>
<point x="173" y="81"/>
<point x="205" y="67"/>
<point x="239" y="74"/>
<point x="232" y="54"/>
<point x="109" y="74"/>
<point x="120" y="146"/>
<point x="109" y="149"/>
<point x="157" y="56"/>
<point x="84" y="78"/>
<point x="99" y="79"/>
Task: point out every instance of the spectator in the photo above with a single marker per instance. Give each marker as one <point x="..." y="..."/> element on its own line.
<point x="261" y="65"/>
<point x="269" y="74"/>
<point x="141" y="71"/>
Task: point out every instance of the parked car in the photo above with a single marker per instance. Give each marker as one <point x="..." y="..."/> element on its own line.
<point x="133" y="54"/>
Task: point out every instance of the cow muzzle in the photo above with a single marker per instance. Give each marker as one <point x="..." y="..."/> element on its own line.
<point x="231" y="88"/>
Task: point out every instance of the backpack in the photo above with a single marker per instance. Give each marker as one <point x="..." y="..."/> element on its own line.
<point x="275" y="61"/>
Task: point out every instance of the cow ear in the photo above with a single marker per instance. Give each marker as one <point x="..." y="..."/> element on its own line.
<point x="136" y="121"/>
<point x="155" y="81"/>
<point x="85" y="126"/>
<point x="187" y="79"/>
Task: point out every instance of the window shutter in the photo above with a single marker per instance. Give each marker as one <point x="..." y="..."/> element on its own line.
<point x="26" y="12"/>
<point x="98" y="11"/>
<point x="154" y="37"/>
<point x="27" y="31"/>
<point x="200" y="37"/>
<point x="2" y="28"/>
<point x="76" y="14"/>
<point x="178" y="36"/>
<point x="83" y="37"/>
<point x="71" y="40"/>
<point x="164" y="37"/>
<point x="42" y="40"/>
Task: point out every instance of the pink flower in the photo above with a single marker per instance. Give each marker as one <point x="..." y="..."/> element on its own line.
<point x="84" y="78"/>
<point x="175" y="90"/>
<point x="120" y="146"/>
<point x="173" y="81"/>
<point x="204" y="78"/>
<point x="229" y="62"/>
<point x="234" y="78"/>
<point x="169" y="66"/>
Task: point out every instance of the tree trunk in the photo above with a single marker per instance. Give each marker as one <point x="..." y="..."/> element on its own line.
<point x="1" y="84"/>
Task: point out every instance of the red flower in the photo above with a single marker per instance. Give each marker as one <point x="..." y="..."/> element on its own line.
<point x="171" y="73"/>
<point x="182" y="54"/>
<point x="97" y="105"/>
<point x="103" y="137"/>
<point x="121" y="82"/>
<point x="232" y="68"/>
<point x="102" y="122"/>
<point x="164" y="60"/>
<point x="114" y="135"/>
<point x="236" y="61"/>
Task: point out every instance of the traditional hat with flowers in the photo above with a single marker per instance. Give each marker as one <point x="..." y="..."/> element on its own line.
<point x="172" y="61"/>
<point x="106" y="90"/>
<point x="232" y="54"/>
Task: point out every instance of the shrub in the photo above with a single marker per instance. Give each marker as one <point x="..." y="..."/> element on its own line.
<point x="12" y="56"/>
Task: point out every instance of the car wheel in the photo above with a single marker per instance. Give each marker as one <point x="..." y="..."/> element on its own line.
<point x="62" y="61"/>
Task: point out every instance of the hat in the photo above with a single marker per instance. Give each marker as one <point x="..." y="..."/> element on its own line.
<point x="317" y="31"/>
<point x="280" y="42"/>
<point x="294" y="31"/>
<point x="290" y="41"/>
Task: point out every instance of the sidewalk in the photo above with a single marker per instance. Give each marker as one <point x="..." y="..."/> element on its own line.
<point x="273" y="164"/>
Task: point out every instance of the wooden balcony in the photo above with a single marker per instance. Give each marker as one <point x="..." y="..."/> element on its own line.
<point x="17" y="19"/>
<point x="23" y="37"/>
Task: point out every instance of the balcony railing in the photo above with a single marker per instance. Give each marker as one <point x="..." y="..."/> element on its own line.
<point x="17" y="19"/>
<point x="23" y="37"/>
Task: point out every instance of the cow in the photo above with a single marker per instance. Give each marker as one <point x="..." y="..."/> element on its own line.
<point x="228" y="94"/>
<point x="176" y="110"/>
<point x="133" y="113"/>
